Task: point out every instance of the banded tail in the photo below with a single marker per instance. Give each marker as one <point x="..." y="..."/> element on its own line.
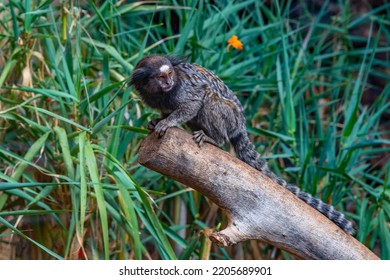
<point x="246" y="152"/>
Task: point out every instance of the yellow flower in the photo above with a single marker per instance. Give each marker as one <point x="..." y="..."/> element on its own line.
<point x="235" y="43"/>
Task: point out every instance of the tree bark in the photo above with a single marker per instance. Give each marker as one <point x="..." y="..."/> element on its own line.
<point x="256" y="207"/>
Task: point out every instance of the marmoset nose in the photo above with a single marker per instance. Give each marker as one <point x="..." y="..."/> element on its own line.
<point x="167" y="85"/>
<point x="168" y="82"/>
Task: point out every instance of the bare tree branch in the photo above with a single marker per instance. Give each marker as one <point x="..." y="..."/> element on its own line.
<point x="256" y="207"/>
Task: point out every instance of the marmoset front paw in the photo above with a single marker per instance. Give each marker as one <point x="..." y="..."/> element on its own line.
<point x="152" y="124"/>
<point x="161" y="127"/>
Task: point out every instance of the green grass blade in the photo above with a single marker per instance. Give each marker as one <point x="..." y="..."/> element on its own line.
<point x="111" y="51"/>
<point x="54" y="115"/>
<point x="83" y="182"/>
<point x="352" y="108"/>
<point x="128" y="209"/>
<point x="15" y="25"/>
<point x="100" y="16"/>
<point x="29" y="156"/>
<point x="149" y="211"/>
<point x="17" y="231"/>
<point x="63" y="140"/>
<point x="27" y="16"/>
<point x="6" y="70"/>
<point x="51" y="93"/>
<point x="385" y="234"/>
<point x="101" y="203"/>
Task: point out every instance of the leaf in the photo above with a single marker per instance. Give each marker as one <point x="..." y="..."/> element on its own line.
<point x="18" y="232"/>
<point x="127" y="206"/>
<point x="101" y="203"/>
<point x="29" y="156"/>
<point x="63" y="139"/>
<point x="352" y="107"/>
<point x="385" y="234"/>
<point x="66" y="120"/>
<point x="155" y="224"/>
<point x="83" y="182"/>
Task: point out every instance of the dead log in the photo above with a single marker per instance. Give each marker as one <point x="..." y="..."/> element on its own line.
<point x="256" y="207"/>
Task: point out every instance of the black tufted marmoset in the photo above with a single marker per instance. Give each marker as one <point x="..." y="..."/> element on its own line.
<point x="187" y="93"/>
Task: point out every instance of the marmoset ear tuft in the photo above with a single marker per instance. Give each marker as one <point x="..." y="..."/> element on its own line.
<point x="176" y="59"/>
<point x="139" y="75"/>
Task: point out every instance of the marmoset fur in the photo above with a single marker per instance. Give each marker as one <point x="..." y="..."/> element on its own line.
<point x="187" y="93"/>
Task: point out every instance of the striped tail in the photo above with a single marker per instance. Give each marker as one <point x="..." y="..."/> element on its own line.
<point x="246" y="152"/>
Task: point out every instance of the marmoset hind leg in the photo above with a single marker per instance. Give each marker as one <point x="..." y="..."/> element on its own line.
<point x="200" y="138"/>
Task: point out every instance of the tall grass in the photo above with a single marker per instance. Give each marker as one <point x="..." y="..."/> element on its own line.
<point x="70" y="128"/>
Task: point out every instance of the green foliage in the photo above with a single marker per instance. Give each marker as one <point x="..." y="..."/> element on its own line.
<point x="70" y="128"/>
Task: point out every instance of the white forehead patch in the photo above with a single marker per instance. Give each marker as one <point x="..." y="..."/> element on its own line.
<point x="164" y="68"/>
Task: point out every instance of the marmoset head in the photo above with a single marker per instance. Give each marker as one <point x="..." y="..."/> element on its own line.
<point x="154" y="74"/>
